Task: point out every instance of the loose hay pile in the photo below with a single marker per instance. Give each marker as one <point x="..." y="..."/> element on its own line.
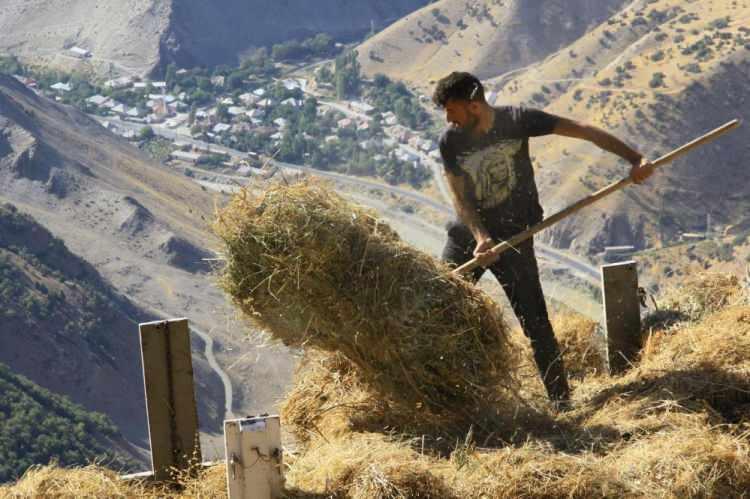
<point x="674" y="426"/>
<point x="317" y="272"/>
<point x="98" y="482"/>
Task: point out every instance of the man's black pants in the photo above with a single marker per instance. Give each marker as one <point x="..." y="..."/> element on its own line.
<point x="518" y="274"/>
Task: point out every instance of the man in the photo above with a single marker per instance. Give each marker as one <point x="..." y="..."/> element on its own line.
<point x="485" y="153"/>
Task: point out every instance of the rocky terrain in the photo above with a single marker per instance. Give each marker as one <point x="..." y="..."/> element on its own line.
<point x="486" y="37"/>
<point x="137" y="37"/>
<point x="657" y="73"/>
<point x="65" y="328"/>
<point x="142" y="227"/>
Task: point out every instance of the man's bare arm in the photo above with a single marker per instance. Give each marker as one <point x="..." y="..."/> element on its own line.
<point x="467" y="209"/>
<point x="641" y="169"/>
<point x="604" y="140"/>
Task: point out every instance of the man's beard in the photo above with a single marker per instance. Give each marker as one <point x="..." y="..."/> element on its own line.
<point x="472" y="123"/>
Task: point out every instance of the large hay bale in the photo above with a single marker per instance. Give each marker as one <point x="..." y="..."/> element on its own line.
<point x="316" y="271"/>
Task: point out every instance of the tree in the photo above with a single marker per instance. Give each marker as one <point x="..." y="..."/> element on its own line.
<point x="234" y="80"/>
<point x="10" y="65"/>
<point x="381" y="81"/>
<point x="204" y="83"/>
<point x="347" y="76"/>
<point x="222" y="113"/>
<point x="199" y="97"/>
<point x="191" y="115"/>
<point x="657" y="80"/>
<point x="171" y="75"/>
<point x="321" y="44"/>
<point x="256" y="59"/>
<point x="310" y="109"/>
<point x="324" y="75"/>
<point x="146" y="133"/>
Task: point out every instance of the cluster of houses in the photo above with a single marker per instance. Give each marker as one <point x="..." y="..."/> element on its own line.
<point x="246" y="113"/>
<point x="406" y="144"/>
<point x="195" y="153"/>
<point x="159" y="106"/>
<point x="411" y="146"/>
<point x="189" y="152"/>
<point x="158" y="109"/>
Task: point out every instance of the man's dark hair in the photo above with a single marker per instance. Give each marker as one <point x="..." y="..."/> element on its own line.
<point x="458" y="86"/>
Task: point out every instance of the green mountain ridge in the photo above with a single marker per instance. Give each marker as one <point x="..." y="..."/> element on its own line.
<point x="63" y="327"/>
<point x="39" y="427"/>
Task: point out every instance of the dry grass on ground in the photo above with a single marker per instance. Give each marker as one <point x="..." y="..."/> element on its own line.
<point x="674" y="425"/>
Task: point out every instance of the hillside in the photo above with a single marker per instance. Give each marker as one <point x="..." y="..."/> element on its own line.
<point x="487" y="37"/>
<point x="65" y="328"/>
<point x="140" y="225"/>
<point x="657" y="73"/>
<point x="138" y="36"/>
<point x="673" y="425"/>
<point x="37" y="426"/>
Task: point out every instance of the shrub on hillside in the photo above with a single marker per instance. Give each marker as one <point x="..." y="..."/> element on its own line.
<point x="657" y="80"/>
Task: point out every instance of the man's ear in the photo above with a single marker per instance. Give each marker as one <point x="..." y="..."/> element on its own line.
<point x="474" y="107"/>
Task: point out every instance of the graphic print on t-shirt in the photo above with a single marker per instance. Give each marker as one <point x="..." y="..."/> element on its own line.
<point x="491" y="171"/>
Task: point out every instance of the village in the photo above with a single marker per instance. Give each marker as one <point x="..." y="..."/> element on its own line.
<point x="296" y="120"/>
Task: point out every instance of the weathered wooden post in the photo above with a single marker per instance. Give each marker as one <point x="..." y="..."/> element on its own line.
<point x="622" y="314"/>
<point x="254" y="457"/>
<point x="170" y="396"/>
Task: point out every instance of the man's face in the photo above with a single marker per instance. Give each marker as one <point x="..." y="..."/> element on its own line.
<point x="463" y="114"/>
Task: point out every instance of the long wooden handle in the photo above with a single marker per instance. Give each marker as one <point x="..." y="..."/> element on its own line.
<point x="606" y="191"/>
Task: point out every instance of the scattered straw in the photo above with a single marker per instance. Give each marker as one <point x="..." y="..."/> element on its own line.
<point x="675" y="425"/>
<point x="580" y="344"/>
<point x="702" y="294"/>
<point x="95" y="482"/>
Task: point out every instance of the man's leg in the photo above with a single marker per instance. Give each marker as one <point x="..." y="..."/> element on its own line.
<point x="459" y="248"/>
<point x="518" y="274"/>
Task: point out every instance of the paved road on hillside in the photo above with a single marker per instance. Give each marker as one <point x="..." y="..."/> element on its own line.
<point x="575" y="264"/>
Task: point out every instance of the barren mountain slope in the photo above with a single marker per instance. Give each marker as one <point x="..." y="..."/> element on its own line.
<point x="219" y="31"/>
<point x="487" y="37"/>
<point x="657" y="74"/>
<point x="67" y="330"/>
<point x="122" y="36"/>
<point x="143" y="227"/>
<point x="134" y="37"/>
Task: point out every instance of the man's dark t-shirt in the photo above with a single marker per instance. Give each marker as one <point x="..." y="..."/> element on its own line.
<point x="499" y="168"/>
